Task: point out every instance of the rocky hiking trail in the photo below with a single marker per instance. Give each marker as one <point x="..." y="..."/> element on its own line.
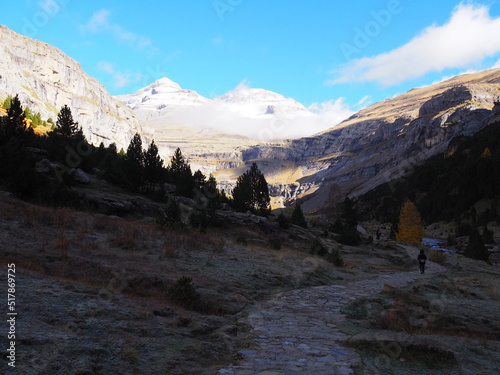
<point x="298" y="332"/>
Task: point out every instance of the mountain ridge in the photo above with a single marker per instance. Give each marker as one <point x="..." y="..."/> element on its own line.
<point x="382" y="141"/>
<point x="377" y="144"/>
<point x="166" y="97"/>
<point x="46" y="79"/>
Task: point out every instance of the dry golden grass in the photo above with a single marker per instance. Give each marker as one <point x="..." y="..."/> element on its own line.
<point x="218" y="245"/>
<point x="437" y="256"/>
<point x="62" y="242"/>
<point x="172" y="245"/>
<point x="127" y="237"/>
<point x="36" y="216"/>
<point x="128" y="234"/>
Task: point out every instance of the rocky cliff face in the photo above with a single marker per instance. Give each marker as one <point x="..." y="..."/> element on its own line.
<point x="46" y="79"/>
<point x="383" y="141"/>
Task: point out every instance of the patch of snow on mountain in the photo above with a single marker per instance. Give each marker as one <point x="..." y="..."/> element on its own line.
<point x="250" y="112"/>
<point x="160" y="97"/>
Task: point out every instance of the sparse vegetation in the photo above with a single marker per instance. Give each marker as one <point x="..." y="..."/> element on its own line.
<point x="90" y="250"/>
<point x="298" y="216"/>
<point x="346" y="225"/>
<point x="437" y="256"/>
<point x="274" y="243"/>
<point x="445" y="186"/>
<point x="183" y="292"/>
<point x="283" y="221"/>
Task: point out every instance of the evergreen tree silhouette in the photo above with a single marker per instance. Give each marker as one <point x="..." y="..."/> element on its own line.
<point x="180" y="174"/>
<point x="348" y="223"/>
<point x="14" y="124"/>
<point x="153" y="164"/>
<point x="199" y="180"/>
<point x="134" y="162"/>
<point x="298" y="216"/>
<point x="251" y="192"/>
<point x="65" y="125"/>
<point x="475" y="247"/>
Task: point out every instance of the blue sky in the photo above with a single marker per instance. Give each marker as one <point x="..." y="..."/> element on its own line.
<point x="340" y="54"/>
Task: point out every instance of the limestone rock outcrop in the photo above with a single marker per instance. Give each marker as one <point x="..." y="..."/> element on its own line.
<point x="385" y="140"/>
<point x="46" y="79"/>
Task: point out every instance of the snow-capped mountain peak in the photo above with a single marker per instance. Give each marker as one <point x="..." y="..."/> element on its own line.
<point x="166" y="96"/>
<point x="259" y="102"/>
<point x="161" y="96"/>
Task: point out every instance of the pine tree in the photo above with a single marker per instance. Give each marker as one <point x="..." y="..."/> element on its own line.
<point x="65" y="125"/>
<point x="180" y="174"/>
<point x="14" y="124"/>
<point x="410" y="229"/>
<point x="134" y="162"/>
<point x="213" y="195"/>
<point x="347" y="224"/>
<point x="349" y="215"/>
<point x="251" y="192"/>
<point x="153" y="164"/>
<point x="199" y="180"/>
<point x="177" y="165"/>
<point x="283" y="221"/>
<point x="475" y="247"/>
<point x="210" y="189"/>
<point x="298" y="216"/>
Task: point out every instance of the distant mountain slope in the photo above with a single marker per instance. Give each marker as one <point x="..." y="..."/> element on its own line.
<point x="447" y="185"/>
<point x="46" y="79"/>
<point x="383" y="141"/>
<point x="213" y="133"/>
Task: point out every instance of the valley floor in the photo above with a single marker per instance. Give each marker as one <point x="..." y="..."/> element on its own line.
<point x="92" y="298"/>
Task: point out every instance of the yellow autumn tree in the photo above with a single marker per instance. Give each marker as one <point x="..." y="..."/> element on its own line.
<point x="486" y="153"/>
<point x="410" y="229"/>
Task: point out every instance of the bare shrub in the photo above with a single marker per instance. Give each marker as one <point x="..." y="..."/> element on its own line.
<point x="437" y="256"/>
<point x="62" y="244"/>
<point x="127" y="235"/>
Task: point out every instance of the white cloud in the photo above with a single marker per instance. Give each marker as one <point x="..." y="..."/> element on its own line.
<point x="364" y="102"/>
<point x="330" y="113"/>
<point x="121" y="79"/>
<point x="99" y="22"/>
<point x="242" y="120"/>
<point x="469" y="37"/>
<point x="243" y="85"/>
<point x="497" y="65"/>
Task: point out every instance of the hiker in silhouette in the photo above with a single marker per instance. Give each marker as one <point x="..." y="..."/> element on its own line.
<point x="379" y="233"/>
<point x="421" y="261"/>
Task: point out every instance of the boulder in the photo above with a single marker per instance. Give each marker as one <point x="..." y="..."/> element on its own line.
<point x="80" y="176"/>
<point x="45" y="166"/>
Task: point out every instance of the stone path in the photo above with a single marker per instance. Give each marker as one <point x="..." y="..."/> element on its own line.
<point x="297" y="332"/>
